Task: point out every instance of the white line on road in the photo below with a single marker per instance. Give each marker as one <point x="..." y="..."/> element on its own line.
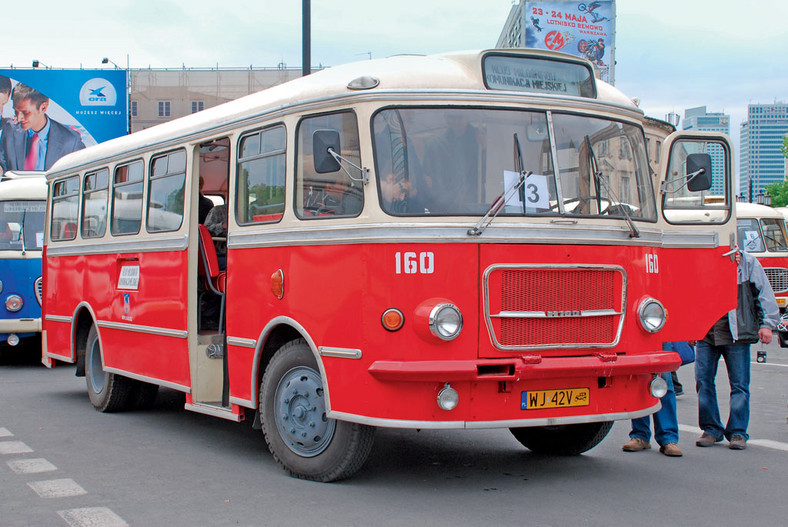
<point x="92" y="517"/>
<point x="766" y="443"/>
<point x="5" y="433"/>
<point x="14" y="447"/>
<point x="31" y="466"/>
<point x="57" y="488"/>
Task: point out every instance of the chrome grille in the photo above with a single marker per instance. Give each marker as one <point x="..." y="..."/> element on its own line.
<point x="778" y="278"/>
<point x="39" y="287"/>
<point x="554" y="306"/>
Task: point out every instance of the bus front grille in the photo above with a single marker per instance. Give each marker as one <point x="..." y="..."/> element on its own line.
<point x="39" y="288"/>
<point x="778" y="278"/>
<point x="546" y="307"/>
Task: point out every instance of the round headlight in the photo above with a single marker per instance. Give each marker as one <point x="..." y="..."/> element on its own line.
<point x="13" y="303"/>
<point x="445" y="321"/>
<point x="659" y="387"/>
<point x="652" y="315"/>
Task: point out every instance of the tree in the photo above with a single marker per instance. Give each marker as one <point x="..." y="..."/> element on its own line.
<point x="778" y="192"/>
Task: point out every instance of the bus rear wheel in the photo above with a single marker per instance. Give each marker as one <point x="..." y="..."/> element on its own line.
<point x="108" y="392"/>
<point x="564" y="440"/>
<point x="301" y="438"/>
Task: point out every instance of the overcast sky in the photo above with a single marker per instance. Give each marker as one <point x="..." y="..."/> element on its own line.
<point x="672" y="54"/>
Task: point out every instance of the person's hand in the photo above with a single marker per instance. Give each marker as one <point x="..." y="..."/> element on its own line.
<point x="765" y="334"/>
<point x="738" y="257"/>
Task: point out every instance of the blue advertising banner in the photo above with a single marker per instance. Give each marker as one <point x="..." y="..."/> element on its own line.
<point x="583" y="29"/>
<point x="82" y="107"/>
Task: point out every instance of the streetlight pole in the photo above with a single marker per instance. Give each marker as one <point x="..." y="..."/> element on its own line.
<point x="106" y="60"/>
<point x="306" y="46"/>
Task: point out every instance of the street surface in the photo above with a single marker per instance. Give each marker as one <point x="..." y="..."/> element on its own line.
<point x="62" y="463"/>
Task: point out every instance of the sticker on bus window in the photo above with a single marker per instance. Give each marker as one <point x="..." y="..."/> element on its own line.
<point x="752" y="241"/>
<point x="129" y="277"/>
<point x="535" y="192"/>
<point x="40" y="239"/>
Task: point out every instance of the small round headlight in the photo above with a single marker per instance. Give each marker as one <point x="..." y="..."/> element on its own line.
<point x="652" y="315"/>
<point x="445" y="321"/>
<point x="659" y="387"/>
<point x="448" y="398"/>
<point x="13" y="339"/>
<point x="13" y="303"/>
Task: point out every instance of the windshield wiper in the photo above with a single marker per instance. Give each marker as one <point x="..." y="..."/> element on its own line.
<point x="500" y="201"/>
<point x="634" y="232"/>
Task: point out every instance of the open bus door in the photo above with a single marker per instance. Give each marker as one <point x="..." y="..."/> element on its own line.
<point x="208" y="361"/>
<point x="697" y="203"/>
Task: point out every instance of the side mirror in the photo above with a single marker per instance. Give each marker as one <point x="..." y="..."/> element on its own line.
<point x="322" y="140"/>
<point x="698" y="172"/>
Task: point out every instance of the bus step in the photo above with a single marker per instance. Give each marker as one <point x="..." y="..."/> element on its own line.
<point x="216" y="409"/>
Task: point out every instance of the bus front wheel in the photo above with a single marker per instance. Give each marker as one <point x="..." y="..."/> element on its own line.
<point x="564" y="440"/>
<point x="108" y="392"/>
<point x="302" y="439"/>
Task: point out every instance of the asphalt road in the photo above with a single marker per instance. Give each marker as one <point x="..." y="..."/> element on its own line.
<point x="63" y="463"/>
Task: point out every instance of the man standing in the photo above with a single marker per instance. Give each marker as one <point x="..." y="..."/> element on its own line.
<point x="754" y="318"/>
<point x="35" y="142"/>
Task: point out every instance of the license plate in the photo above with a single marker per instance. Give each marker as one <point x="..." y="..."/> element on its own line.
<point x="563" y="398"/>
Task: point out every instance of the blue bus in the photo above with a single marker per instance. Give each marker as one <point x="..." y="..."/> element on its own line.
<point x="22" y="208"/>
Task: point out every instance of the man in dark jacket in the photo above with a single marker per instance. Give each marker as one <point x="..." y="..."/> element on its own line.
<point x="754" y="318"/>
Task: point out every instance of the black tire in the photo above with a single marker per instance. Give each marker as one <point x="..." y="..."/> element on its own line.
<point x="565" y="440"/>
<point x="108" y="392"/>
<point x="143" y="395"/>
<point x="300" y="437"/>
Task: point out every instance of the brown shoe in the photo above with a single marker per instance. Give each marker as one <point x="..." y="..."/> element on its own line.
<point x="707" y="440"/>
<point x="636" y="445"/>
<point x="671" y="450"/>
<point x="737" y="442"/>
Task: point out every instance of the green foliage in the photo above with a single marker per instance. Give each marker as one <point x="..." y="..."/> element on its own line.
<point x="784" y="147"/>
<point x="779" y="193"/>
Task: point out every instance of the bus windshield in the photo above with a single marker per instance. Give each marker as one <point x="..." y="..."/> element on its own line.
<point x="22" y="225"/>
<point x="457" y="161"/>
<point x="760" y="237"/>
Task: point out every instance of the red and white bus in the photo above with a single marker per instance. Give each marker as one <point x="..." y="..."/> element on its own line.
<point x="466" y="240"/>
<point x="761" y="232"/>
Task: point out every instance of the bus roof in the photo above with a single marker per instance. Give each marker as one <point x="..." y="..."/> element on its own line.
<point x="32" y="186"/>
<point x="458" y="72"/>
<point x="755" y="210"/>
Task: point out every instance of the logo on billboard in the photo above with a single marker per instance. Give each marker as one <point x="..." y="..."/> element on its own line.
<point x="98" y="92"/>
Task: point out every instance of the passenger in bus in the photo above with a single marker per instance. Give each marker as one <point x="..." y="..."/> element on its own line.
<point x="36" y="141"/>
<point x="205" y="203"/>
<point x="451" y="165"/>
<point x="216" y="223"/>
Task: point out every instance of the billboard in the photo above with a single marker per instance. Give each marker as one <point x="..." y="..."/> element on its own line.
<point x="82" y="108"/>
<point x="583" y="29"/>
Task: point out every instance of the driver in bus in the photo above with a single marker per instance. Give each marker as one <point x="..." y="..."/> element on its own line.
<point x="451" y="164"/>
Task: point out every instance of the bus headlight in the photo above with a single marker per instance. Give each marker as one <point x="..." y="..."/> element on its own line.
<point x="13" y="303"/>
<point x="659" y="387"/>
<point x="448" y="398"/>
<point x="652" y="315"/>
<point x="13" y="339"/>
<point x="445" y="321"/>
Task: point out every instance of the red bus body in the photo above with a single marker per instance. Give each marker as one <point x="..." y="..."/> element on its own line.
<point x="552" y="331"/>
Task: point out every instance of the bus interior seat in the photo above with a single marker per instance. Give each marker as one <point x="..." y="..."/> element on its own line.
<point x="214" y="279"/>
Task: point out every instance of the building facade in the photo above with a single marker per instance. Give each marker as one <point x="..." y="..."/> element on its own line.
<point x="760" y="160"/>
<point x="160" y="95"/>
<point x="702" y="120"/>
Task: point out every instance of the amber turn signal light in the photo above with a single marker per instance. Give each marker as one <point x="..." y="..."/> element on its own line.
<point x="392" y="319"/>
<point x="278" y="284"/>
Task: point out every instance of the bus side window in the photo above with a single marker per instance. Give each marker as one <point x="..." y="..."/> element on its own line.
<point x="261" y="176"/>
<point x="94" y="204"/>
<point x="65" y="203"/>
<point x="127" y="199"/>
<point x="165" y="194"/>
<point x="330" y="194"/>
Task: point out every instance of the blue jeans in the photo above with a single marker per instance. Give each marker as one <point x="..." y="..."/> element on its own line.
<point x="666" y="423"/>
<point x="737" y="360"/>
